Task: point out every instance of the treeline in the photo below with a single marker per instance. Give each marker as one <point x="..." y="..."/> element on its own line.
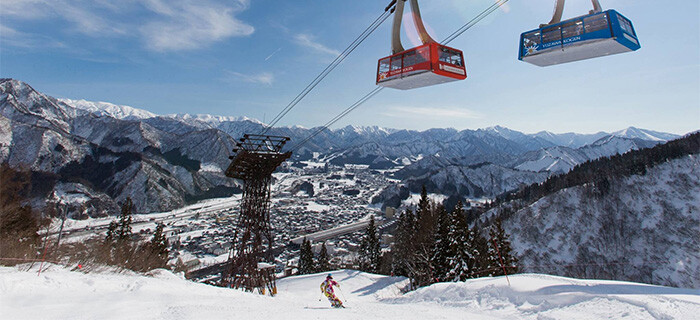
<point x="431" y="245"/>
<point x="369" y="257"/>
<point x="600" y="171"/>
<point x="310" y="263"/>
<point x="434" y="245"/>
<point x="21" y="241"/>
<point x="120" y="248"/>
<point x="19" y="224"/>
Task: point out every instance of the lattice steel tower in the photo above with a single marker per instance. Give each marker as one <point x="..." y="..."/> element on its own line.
<point x="250" y="259"/>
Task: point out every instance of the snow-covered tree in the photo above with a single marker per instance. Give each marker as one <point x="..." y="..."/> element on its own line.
<point x="158" y="248"/>
<point x="460" y="248"/>
<point x="123" y="231"/>
<point x="370" y="252"/>
<point x="306" y="258"/>
<point x="403" y="244"/>
<point x="500" y="252"/>
<point x="111" y="232"/>
<point x="323" y="263"/>
<point x="426" y="217"/>
<point x="478" y="249"/>
<point x="442" y="249"/>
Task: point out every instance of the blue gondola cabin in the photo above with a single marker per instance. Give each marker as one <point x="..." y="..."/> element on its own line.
<point x="422" y="66"/>
<point x="590" y="36"/>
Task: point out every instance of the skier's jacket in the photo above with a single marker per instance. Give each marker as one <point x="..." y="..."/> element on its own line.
<point x="327" y="289"/>
<point x="327" y="286"/>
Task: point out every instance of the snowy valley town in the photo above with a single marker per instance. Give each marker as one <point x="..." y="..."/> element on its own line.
<point x="558" y="183"/>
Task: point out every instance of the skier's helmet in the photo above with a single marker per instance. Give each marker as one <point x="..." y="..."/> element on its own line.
<point x="329" y="276"/>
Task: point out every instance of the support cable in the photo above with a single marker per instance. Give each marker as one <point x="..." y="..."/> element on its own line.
<point x="338" y="117"/>
<point x="474" y="21"/>
<point x="376" y="90"/>
<point x="353" y="45"/>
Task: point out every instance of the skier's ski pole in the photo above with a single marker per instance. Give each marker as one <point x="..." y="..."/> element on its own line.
<point x="342" y="294"/>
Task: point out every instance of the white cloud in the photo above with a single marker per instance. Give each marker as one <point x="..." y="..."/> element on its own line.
<point x="8" y="32"/>
<point x="12" y="37"/>
<point x="261" y="78"/>
<point x="308" y="41"/>
<point x="433" y="113"/>
<point x="85" y="17"/>
<point x="161" y="25"/>
<point x="191" y="24"/>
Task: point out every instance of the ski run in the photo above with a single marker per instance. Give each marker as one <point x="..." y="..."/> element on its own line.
<point x="61" y="293"/>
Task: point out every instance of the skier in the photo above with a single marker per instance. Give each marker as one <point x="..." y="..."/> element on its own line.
<point x="327" y="289"/>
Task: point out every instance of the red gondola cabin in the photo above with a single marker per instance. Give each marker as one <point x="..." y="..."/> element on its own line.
<point x="421" y="66"/>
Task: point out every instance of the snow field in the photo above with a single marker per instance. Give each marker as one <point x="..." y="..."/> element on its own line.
<point x="59" y="293"/>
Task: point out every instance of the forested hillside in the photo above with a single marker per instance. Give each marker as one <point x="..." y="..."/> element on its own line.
<point x="629" y="217"/>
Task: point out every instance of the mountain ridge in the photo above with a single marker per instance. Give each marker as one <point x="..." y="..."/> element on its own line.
<point x="156" y="151"/>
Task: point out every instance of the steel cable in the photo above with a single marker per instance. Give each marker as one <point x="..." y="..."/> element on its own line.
<point x="375" y="91"/>
<point x="353" y="45"/>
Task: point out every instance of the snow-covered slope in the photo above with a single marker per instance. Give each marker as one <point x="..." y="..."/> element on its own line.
<point x="643" y="228"/>
<point x="562" y="159"/>
<point x="123" y="151"/>
<point x="569" y="139"/>
<point x="577" y="140"/>
<point x="644" y="134"/>
<point x="109" y="109"/>
<point x="62" y="294"/>
<point x="112" y="157"/>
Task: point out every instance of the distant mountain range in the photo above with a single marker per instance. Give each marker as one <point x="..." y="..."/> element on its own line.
<point x="105" y="152"/>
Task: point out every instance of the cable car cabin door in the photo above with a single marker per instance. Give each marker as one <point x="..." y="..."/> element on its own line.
<point x="423" y="66"/>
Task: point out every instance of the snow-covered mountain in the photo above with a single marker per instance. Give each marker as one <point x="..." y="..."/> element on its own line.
<point x="642" y="227"/>
<point x="63" y="294"/>
<point x="349" y="141"/>
<point x="643" y="134"/>
<point x="98" y="154"/>
<point x="562" y="159"/>
<point x="109" y="109"/>
<point x="577" y="140"/>
<point x="569" y="139"/>
<point x="532" y="141"/>
<point x="164" y="161"/>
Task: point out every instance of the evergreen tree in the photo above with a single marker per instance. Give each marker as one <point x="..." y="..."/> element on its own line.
<point x="423" y="203"/>
<point x="158" y="247"/>
<point x="422" y="269"/>
<point x="323" y="263"/>
<point x="460" y="249"/>
<point x="442" y="251"/>
<point x="370" y="252"/>
<point x="118" y="248"/>
<point x="124" y="228"/>
<point x="306" y="258"/>
<point x="403" y="244"/>
<point x="501" y="253"/>
<point x="111" y="233"/>
<point x="479" y="263"/>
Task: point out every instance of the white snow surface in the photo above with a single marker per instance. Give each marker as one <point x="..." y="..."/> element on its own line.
<point x="59" y="293"/>
<point x="110" y="109"/>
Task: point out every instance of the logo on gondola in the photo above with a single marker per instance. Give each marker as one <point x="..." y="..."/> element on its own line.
<point x="531" y="50"/>
<point x="451" y="69"/>
<point x="382" y="75"/>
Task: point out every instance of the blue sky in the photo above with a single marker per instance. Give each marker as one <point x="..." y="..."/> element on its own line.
<point x="252" y="57"/>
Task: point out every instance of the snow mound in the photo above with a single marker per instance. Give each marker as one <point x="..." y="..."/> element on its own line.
<point x="550" y="297"/>
<point x="59" y="293"/>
